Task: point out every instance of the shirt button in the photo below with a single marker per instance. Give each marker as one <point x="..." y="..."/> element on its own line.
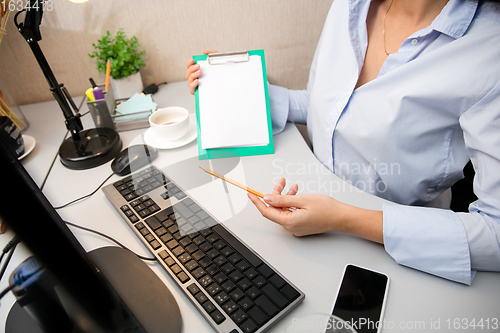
<point x="414" y="41"/>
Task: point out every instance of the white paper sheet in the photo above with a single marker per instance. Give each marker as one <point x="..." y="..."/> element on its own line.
<point x="232" y="104"/>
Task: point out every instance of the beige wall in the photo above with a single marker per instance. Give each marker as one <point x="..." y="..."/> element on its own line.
<point x="170" y="31"/>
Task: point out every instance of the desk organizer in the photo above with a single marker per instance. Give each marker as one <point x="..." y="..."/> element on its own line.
<point x="104" y="114"/>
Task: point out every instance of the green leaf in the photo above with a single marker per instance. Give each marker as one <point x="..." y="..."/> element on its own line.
<point x="123" y="53"/>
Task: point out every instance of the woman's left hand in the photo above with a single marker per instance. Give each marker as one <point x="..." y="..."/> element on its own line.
<point x="314" y="213"/>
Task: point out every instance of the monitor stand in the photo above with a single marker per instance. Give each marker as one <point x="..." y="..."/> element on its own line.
<point x="136" y="284"/>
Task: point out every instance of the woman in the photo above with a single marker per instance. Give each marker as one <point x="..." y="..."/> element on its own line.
<point x="415" y="83"/>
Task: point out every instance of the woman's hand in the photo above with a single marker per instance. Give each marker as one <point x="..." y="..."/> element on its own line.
<point x="315" y="214"/>
<point x="193" y="73"/>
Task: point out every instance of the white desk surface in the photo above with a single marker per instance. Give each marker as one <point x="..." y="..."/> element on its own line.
<point x="416" y="300"/>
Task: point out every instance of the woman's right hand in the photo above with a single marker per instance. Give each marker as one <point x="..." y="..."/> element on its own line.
<point x="193" y="73"/>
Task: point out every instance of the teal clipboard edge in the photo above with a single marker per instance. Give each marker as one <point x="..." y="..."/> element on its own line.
<point x="206" y="154"/>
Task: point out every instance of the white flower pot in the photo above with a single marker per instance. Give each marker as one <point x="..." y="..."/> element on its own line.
<point x="127" y="86"/>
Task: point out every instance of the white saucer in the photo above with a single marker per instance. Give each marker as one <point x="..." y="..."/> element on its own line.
<point x="152" y="140"/>
<point x="29" y="144"/>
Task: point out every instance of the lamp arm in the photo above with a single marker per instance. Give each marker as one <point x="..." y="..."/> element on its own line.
<point x="30" y="30"/>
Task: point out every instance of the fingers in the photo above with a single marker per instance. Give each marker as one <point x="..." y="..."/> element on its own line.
<point x="278" y="188"/>
<point x="192" y="74"/>
<point x="276" y="215"/>
<point x="284" y="201"/>
<point x="293" y="190"/>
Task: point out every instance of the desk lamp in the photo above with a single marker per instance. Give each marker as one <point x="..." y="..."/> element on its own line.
<point x="85" y="148"/>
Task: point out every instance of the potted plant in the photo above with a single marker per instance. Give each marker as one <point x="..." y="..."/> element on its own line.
<point x="125" y="59"/>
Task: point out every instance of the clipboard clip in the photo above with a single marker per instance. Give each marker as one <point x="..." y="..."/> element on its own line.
<point x="225" y="57"/>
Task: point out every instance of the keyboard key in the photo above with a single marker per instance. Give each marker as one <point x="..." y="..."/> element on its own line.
<point x="180" y="208"/>
<point x="275" y="296"/>
<point x="289" y="292"/>
<point x="228" y="286"/>
<point x="163" y="254"/>
<point x="205" y="262"/>
<point x="245" y="303"/>
<point x="212" y="270"/>
<point x="248" y="326"/>
<point x="242" y="265"/>
<point x="212" y="238"/>
<point x="209" y="306"/>
<point x="235" y="276"/>
<point x="161" y="231"/>
<point x="206" y="281"/>
<point x="183" y="277"/>
<point x="178" y="251"/>
<point x="172" y="244"/>
<point x="265" y="270"/>
<point x="198" y="273"/>
<point x="236" y="294"/>
<point x="213" y="289"/>
<point x="169" y="261"/>
<point x="221" y="298"/>
<point x="277" y="281"/>
<point x="250" y="273"/>
<point x="230" y="307"/>
<point x="265" y="304"/>
<point x="155" y="244"/>
<point x="198" y="254"/>
<point x="176" y="269"/>
<point x="193" y="289"/>
<point x="258" y="316"/>
<point x="220" y="278"/>
<point x="217" y="316"/>
<point x="191" y="265"/>
<point x="239" y="316"/>
<point x="219" y="245"/>
<point x="191" y="248"/>
<point x="253" y="292"/>
<point x="184" y="258"/>
<point x="244" y="284"/>
<point x="213" y="253"/>
<point x="237" y="245"/>
<point x="259" y="281"/>
<point x="166" y="238"/>
<point x="201" y="297"/>
<point x="220" y="260"/>
<point x="227" y="268"/>
<point x="227" y="251"/>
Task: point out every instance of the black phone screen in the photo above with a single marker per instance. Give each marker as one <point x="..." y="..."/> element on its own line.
<point x="361" y="298"/>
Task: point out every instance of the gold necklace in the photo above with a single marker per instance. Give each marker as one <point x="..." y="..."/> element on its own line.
<point x="385" y="49"/>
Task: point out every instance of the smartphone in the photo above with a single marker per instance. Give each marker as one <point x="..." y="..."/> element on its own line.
<point x="361" y="299"/>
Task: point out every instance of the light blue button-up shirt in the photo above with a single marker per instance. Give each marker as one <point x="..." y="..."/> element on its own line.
<point x="406" y="135"/>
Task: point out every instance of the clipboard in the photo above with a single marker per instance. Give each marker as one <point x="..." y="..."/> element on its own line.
<point x="233" y="58"/>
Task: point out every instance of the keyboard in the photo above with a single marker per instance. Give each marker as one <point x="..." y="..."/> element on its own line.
<point x="232" y="286"/>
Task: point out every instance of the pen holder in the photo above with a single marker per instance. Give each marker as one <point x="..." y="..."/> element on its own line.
<point x="104" y="114"/>
<point x="101" y="110"/>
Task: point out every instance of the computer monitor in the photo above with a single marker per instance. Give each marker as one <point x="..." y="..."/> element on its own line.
<point x="100" y="291"/>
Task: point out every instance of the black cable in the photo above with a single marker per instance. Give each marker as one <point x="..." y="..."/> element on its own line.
<point x="4" y="267"/>
<point x="86" y="196"/>
<point x="108" y="237"/>
<point x="6" y="290"/>
<point x="64" y="139"/>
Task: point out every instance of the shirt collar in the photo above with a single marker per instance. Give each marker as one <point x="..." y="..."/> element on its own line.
<point x="455" y="18"/>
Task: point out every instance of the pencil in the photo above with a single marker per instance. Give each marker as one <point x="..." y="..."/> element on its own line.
<point x="108" y="71"/>
<point x="235" y="183"/>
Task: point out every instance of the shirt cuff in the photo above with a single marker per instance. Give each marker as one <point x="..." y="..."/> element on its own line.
<point x="278" y="102"/>
<point x="428" y="239"/>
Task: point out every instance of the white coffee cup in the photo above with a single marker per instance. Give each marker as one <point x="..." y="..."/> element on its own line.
<point x="170" y="123"/>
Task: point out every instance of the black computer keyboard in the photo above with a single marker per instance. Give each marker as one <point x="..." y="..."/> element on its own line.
<point x="229" y="283"/>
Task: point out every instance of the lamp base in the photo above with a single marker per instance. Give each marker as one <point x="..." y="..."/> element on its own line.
<point x="96" y="147"/>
